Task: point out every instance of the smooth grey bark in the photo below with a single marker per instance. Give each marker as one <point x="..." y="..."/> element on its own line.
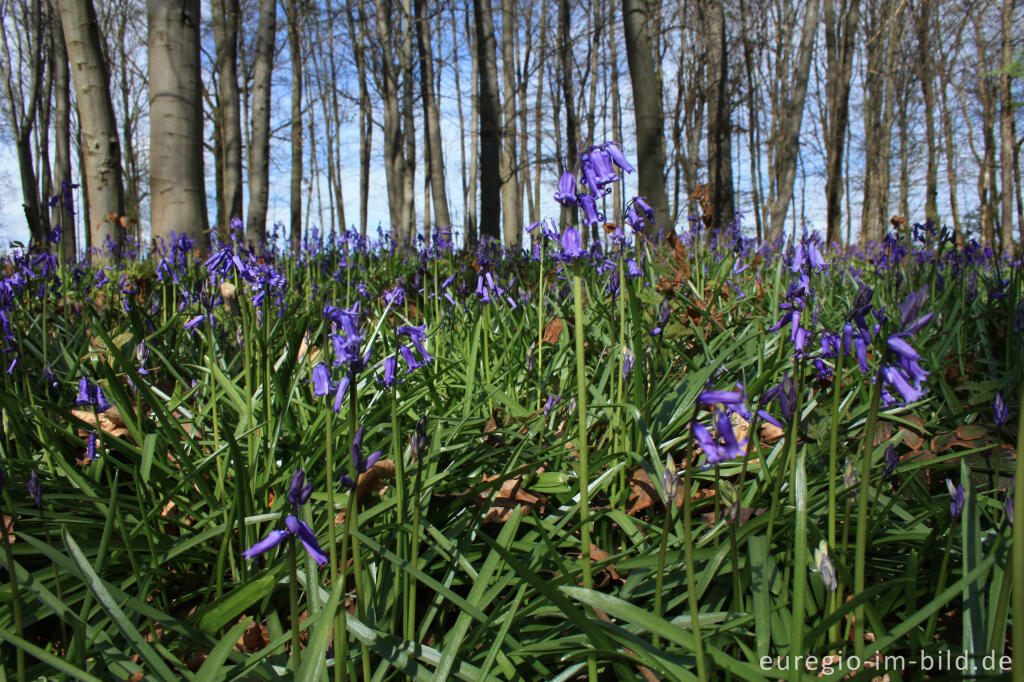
<point x="1006" y="150"/>
<point x="650" y="120"/>
<point x="259" y="149"/>
<point x="987" y="95"/>
<point x="490" y="121"/>
<point x="926" y="74"/>
<point x="225" y="18"/>
<point x="786" y="142"/>
<point x="566" y="81"/>
<point x="292" y="12"/>
<point x="840" y="32"/>
<point x="101" y="149"/>
<point x="394" y="158"/>
<point x="177" y="186"/>
<point x="357" y="33"/>
<point x="719" y="191"/>
<point x="432" y="117"/>
<point x="511" y="202"/>
<point x="405" y="64"/>
<point x="61" y="214"/>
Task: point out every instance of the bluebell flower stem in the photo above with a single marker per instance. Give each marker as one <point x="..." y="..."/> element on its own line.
<point x="396" y="455"/>
<point x="540" y="329"/>
<point x="860" y="556"/>
<point x="800" y="558"/>
<point x="332" y="542"/>
<point x="293" y="603"/>
<point x="582" y="449"/>
<point x="833" y="466"/>
<point x="691" y="580"/>
<point x="352" y="523"/>
<point x="659" y="577"/>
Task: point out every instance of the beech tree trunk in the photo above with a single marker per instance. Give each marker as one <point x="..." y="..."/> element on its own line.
<point x="1006" y="130"/>
<point x="394" y="158"/>
<point x="566" y="81"/>
<point x="101" y="150"/>
<point x="511" y="202"/>
<point x="719" y="189"/>
<point x="295" y="54"/>
<point x="840" y="32"/>
<point x="787" y="141"/>
<point x="926" y="73"/>
<point x="432" y="117"/>
<point x="490" y="123"/>
<point x="357" y="31"/>
<point x="177" y="186"/>
<point x="650" y="119"/>
<point x="61" y="214"/>
<point x="225" y="36"/>
<point x="259" y="150"/>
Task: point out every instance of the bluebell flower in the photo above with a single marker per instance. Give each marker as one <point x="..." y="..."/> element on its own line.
<point x="615" y="152"/>
<point x="390" y="364"/>
<point x="90" y="447"/>
<point x="551" y="402"/>
<point x="1000" y="412"/>
<point x="360" y="465"/>
<point x="299" y="491"/>
<point x="35" y="489"/>
<point x="633" y="270"/>
<point x="91" y="394"/>
<point x="591" y="216"/>
<point x="891" y="460"/>
<point x="322" y="383"/>
<point x="566" y="194"/>
<point x="824" y="567"/>
<point x="956" y="502"/>
<point x="628" y="360"/>
<point x="571" y="245"/>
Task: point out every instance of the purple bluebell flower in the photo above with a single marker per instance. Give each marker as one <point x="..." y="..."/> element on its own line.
<point x="628" y="360"/>
<point x="304" y="533"/>
<point x="35" y="489"/>
<point x="551" y="402"/>
<point x="733" y="448"/>
<point x="707" y="443"/>
<point x="275" y="538"/>
<point x="956" y="495"/>
<point x="91" y="394"/>
<point x="615" y="152"/>
<point x="141" y="356"/>
<point x="321" y="379"/>
<point x="824" y="567"/>
<point x="891" y="460"/>
<point x="390" y="363"/>
<point x="90" y="447"/>
<point x="1000" y="412"/>
<point x="566" y="194"/>
<point x="299" y="491"/>
<point x="850" y="480"/>
<point x="339" y="395"/>
<point x="360" y="465"/>
<point x="591" y="216"/>
<point x="632" y="269"/>
<point x="728" y="398"/>
<point x="394" y="297"/>
<point x="411" y="362"/>
<point x="571" y="249"/>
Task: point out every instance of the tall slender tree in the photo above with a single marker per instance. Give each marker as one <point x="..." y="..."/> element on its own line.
<point x="101" y="151"/>
<point x="840" y="35"/>
<point x="177" y="187"/>
<point x="647" y="102"/>
<point x="294" y="14"/>
<point x="225" y="19"/>
<point x="432" y="118"/>
<point x="490" y="120"/>
<point x="62" y="211"/>
<point x="259" y="149"/>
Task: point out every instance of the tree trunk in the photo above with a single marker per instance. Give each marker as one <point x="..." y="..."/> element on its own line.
<point x="926" y="71"/>
<point x="225" y="36"/>
<point x="259" y="150"/>
<point x="569" y="215"/>
<point x="394" y="159"/>
<point x="787" y="141"/>
<point x="177" y="186"/>
<point x="357" y="32"/>
<point x="650" y="119"/>
<point x="511" y="204"/>
<point x="101" y="150"/>
<point x="490" y="124"/>
<point x="1006" y="129"/>
<point x="62" y="214"/>
<point x="432" y="117"/>
<point x="951" y="174"/>
<point x="720" y="186"/>
<point x="839" y="45"/>
<point x="295" y="54"/>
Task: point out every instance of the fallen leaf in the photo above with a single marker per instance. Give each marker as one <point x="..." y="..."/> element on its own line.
<point x="110" y="422"/>
<point x="552" y="331"/>
<point x="510" y="495"/>
<point x="8" y="523"/>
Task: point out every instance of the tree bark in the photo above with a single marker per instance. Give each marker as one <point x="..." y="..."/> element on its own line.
<point x="787" y="141"/>
<point x="432" y="118"/>
<point x="569" y="215"/>
<point x="225" y="35"/>
<point x="295" y="55"/>
<point x="840" y="32"/>
<point x="408" y="128"/>
<point x="650" y="119"/>
<point x="101" y="150"/>
<point x="1006" y="129"/>
<point x="394" y="159"/>
<point x="62" y="214"/>
<point x="177" y="187"/>
<point x="259" y="149"/>
<point x="357" y="32"/>
<point x="511" y="203"/>
<point x="926" y="73"/>
<point x="490" y="123"/>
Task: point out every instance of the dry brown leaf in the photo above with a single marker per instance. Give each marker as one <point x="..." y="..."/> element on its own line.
<point x="643" y="494"/>
<point x="771" y="433"/>
<point x="229" y="293"/>
<point x="254" y="638"/>
<point x="606" y="575"/>
<point x="110" y="422"/>
<point x="8" y="530"/>
<point x="510" y="495"/>
<point x="552" y="331"/>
